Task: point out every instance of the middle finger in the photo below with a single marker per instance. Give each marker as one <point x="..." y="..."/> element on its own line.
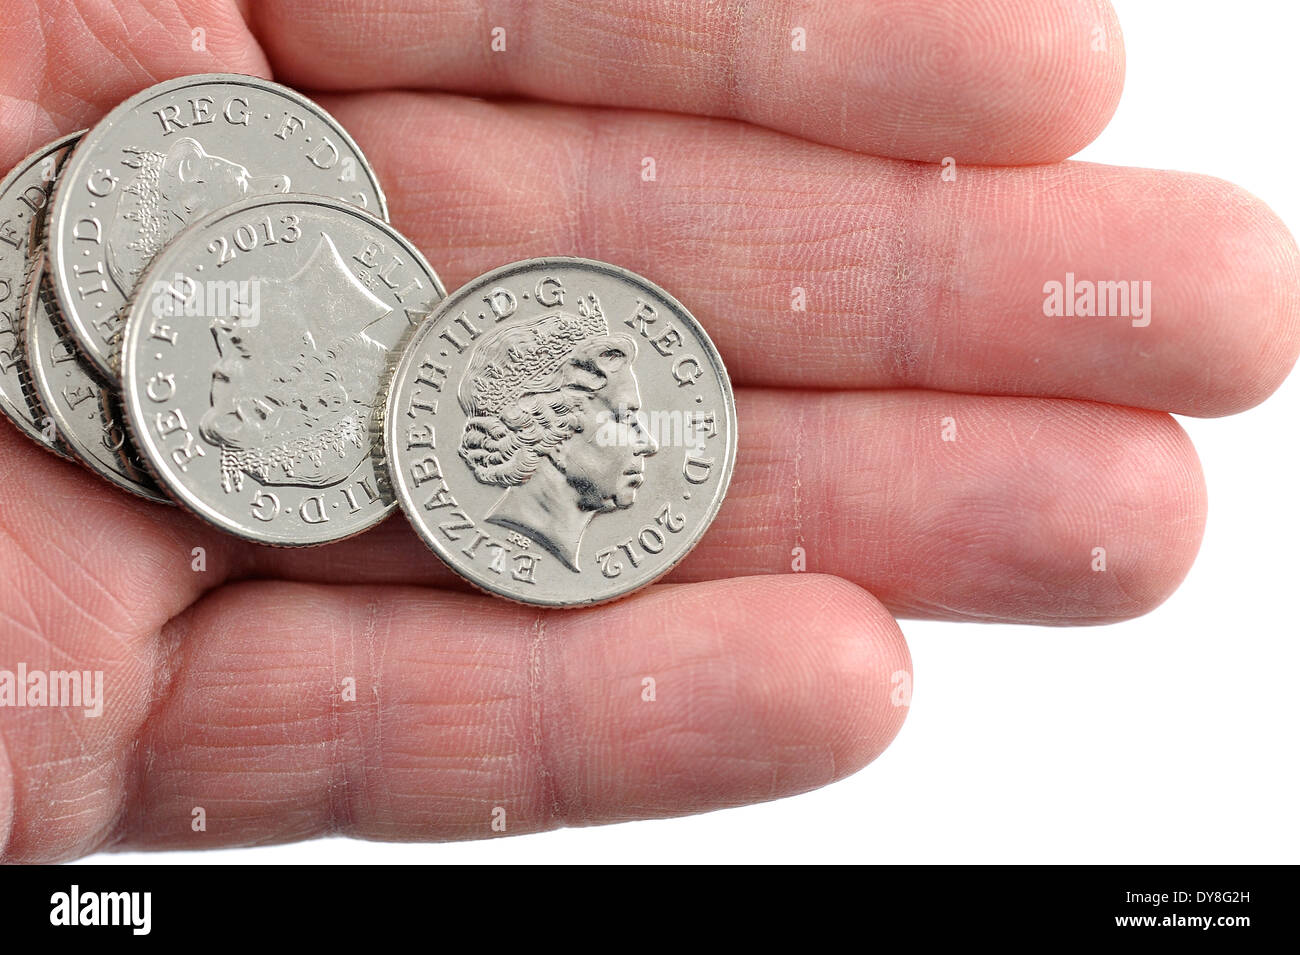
<point x="815" y="267"/>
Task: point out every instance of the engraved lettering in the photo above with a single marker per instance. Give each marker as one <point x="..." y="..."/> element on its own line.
<point x="160" y="387"/>
<point x="290" y="125"/>
<point x="463" y="321"/>
<point x="169" y="422"/>
<point x="74" y="395"/>
<point x="525" y="568"/>
<point x="432" y="374"/>
<point x="97" y="236"/>
<point x="644" y="316"/>
<point x="425" y="469"/>
<point x="685" y="378"/>
<point x="460" y="523"/>
<point x="549" y="291"/>
<point x="183" y="455"/>
<point x="170" y="116"/>
<point x="202" y="109"/>
<point x="312" y="510"/>
<point x="367" y="256"/>
<point x="314" y="156"/>
<point x="385" y="274"/>
<point x="696" y="470"/>
<point x="419" y="436"/>
<point x="239" y="119"/>
<point x="265" y="505"/>
<point x="502" y="303"/>
<point x="665" y="343"/>
<point x="100" y="183"/>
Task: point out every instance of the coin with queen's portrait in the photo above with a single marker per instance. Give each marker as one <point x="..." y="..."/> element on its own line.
<point x="561" y="431"/>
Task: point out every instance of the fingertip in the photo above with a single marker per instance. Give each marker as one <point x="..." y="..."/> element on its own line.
<point x="793" y="682"/>
<point x="1078" y="80"/>
<point x="998" y="82"/>
<point x="1128" y="536"/>
<point x="859" y="702"/>
<point x="1250" y="277"/>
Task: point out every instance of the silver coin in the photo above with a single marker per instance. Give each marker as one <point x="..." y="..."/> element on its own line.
<point x="169" y="156"/>
<point x="255" y="359"/>
<point x="24" y="199"/>
<point x="561" y="432"/>
<point x="86" y="413"/>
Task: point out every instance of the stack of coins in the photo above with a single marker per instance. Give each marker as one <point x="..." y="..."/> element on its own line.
<point x="202" y="301"/>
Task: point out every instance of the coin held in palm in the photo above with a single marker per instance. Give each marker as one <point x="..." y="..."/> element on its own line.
<point x="561" y="431"/>
<point x="164" y="159"/>
<point x="255" y="360"/>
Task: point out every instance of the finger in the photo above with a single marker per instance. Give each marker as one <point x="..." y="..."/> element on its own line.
<point x="814" y="268"/>
<point x="469" y="711"/>
<point x="68" y="62"/>
<point x="944" y="506"/>
<point x="990" y="81"/>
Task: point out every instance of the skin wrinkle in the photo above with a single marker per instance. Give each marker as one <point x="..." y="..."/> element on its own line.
<point x="734" y="55"/>
<point x="67" y="599"/>
<point x="796" y="483"/>
<point x="372" y="742"/>
<point x="40" y="81"/>
<point x="539" y="754"/>
<point x="95" y="34"/>
<point x="899" y="294"/>
<point x="585" y="234"/>
<point x="101" y="588"/>
<point x="169" y="666"/>
<point x="71" y="14"/>
<point x="340" y="790"/>
<point x="8" y="798"/>
<point x="308" y="828"/>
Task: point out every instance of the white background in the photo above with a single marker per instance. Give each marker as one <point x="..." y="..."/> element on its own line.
<point x="1166" y="739"/>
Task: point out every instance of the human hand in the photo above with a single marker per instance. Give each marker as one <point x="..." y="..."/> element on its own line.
<point x="923" y="322"/>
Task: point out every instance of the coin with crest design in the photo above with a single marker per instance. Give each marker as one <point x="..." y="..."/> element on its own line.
<point x="255" y="359"/>
<point x="164" y="159"/>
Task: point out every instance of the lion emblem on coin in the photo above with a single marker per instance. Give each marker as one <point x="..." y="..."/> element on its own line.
<point x="168" y="191"/>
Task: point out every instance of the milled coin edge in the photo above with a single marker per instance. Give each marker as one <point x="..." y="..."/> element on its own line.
<point x="35" y="258"/>
<point x="42" y="389"/>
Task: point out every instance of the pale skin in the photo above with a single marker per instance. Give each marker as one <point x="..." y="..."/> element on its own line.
<point x="816" y="170"/>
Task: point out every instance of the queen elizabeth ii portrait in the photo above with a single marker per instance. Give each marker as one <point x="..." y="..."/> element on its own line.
<point x="538" y="396"/>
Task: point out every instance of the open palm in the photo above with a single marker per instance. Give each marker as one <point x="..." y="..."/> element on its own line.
<point x="913" y="428"/>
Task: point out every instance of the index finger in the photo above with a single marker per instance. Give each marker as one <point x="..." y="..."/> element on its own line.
<point x="984" y="81"/>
